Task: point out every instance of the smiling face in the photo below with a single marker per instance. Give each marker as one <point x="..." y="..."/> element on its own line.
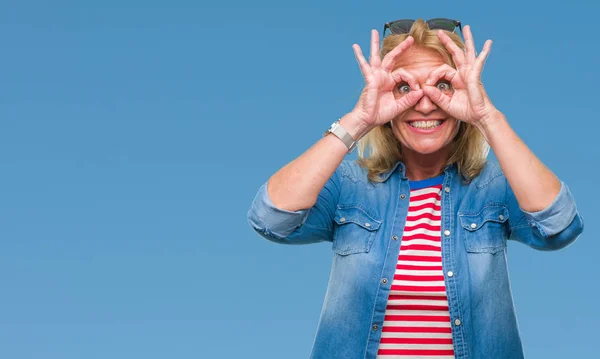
<point x="424" y="129"/>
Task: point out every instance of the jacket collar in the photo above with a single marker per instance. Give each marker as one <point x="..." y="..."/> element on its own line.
<point x="402" y="168"/>
<point x="384" y="176"/>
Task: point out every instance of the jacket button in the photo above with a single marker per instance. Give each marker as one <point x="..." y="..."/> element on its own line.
<point x="402" y="196"/>
<point x="446" y="233"/>
<point x="456" y="322"/>
<point x="501" y="217"/>
<point x="375" y="327"/>
<point x="395" y="238"/>
<point x="473" y="225"/>
<point x="450" y="273"/>
<point x="447" y="189"/>
<point x="367" y="224"/>
<point x="384" y="281"/>
<point x="342" y="219"/>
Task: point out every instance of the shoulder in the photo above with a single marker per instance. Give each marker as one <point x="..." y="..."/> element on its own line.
<point x="490" y="176"/>
<point x="350" y="168"/>
<point x="351" y="171"/>
<point x="486" y="193"/>
<point x="489" y="185"/>
<point x="353" y="177"/>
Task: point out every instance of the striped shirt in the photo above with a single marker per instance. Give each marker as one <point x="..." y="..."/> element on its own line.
<point x="417" y="321"/>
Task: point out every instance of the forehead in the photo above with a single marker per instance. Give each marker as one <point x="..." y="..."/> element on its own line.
<point x="420" y="61"/>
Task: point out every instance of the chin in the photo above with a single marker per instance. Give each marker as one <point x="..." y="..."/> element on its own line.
<point x="425" y="148"/>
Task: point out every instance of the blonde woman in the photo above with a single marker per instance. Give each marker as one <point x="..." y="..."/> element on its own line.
<point x="420" y="223"/>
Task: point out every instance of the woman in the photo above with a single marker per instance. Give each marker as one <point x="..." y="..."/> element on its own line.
<point x="419" y="223"/>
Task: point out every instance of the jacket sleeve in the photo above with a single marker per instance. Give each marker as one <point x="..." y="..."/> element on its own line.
<point x="305" y="226"/>
<point x="552" y="228"/>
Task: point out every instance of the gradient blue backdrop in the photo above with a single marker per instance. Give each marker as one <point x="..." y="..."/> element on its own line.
<point x="134" y="135"/>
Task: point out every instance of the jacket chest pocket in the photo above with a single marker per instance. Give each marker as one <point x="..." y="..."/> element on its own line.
<point x="486" y="231"/>
<point x="355" y="230"/>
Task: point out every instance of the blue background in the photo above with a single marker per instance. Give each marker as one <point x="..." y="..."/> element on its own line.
<point x="135" y="134"/>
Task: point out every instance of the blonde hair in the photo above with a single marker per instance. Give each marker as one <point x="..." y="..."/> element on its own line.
<point x="380" y="150"/>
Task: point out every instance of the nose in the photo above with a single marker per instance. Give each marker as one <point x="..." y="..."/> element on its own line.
<point x="425" y="105"/>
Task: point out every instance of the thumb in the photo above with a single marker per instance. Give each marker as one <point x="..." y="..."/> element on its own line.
<point x="409" y="100"/>
<point x="437" y="96"/>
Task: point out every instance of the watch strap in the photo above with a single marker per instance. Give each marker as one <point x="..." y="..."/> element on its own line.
<point x="341" y="133"/>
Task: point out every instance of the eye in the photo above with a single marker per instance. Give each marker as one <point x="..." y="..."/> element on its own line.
<point x="444" y="86"/>
<point x="404" y="88"/>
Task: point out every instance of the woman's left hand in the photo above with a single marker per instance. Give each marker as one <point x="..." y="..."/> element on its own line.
<point x="468" y="101"/>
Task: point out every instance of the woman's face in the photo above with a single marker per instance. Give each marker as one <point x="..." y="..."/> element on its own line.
<point x="424" y="128"/>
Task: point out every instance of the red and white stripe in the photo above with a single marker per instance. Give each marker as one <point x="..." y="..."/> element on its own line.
<point x="417" y="321"/>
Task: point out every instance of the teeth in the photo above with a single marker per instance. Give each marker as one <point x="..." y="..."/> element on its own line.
<point x="425" y="124"/>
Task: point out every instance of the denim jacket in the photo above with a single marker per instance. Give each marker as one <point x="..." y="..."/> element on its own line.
<point x="477" y="220"/>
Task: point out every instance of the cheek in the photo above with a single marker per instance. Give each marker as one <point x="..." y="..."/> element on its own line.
<point x="455" y="127"/>
<point x="449" y="134"/>
<point x="397" y="121"/>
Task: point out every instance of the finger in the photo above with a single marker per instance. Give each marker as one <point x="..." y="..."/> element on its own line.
<point x="469" y="43"/>
<point x="445" y="72"/>
<point x="400" y="75"/>
<point x="362" y="62"/>
<point x="390" y="58"/>
<point x="409" y="100"/>
<point x="487" y="47"/>
<point x="375" y="59"/>
<point x="438" y="97"/>
<point x="458" y="55"/>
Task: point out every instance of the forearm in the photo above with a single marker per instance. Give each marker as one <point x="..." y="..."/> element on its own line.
<point x="533" y="184"/>
<point x="298" y="184"/>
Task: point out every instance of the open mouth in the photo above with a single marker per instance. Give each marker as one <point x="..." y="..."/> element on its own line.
<point x="426" y="125"/>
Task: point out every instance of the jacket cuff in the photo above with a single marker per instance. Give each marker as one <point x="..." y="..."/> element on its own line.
<point x="557" y="216"/>
<point x="273" y="221"/>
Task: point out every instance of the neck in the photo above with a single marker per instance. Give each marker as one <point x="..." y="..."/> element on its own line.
<point x="423" y="166"/>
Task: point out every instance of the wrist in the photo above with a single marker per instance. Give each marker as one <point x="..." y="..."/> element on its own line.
<point x="488" y="123"/>
<point x="355" y="126"/>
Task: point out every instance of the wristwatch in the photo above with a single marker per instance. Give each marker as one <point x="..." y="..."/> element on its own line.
<point x="342" y="134"/>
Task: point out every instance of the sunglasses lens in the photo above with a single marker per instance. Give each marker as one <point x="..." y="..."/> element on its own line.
<point x="442" y="24"/>
<point x="401" y="26"/>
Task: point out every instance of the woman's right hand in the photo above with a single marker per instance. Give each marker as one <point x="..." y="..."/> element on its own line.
<point x="379" y="102"/>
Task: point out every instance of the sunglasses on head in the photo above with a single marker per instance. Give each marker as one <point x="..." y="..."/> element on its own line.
<point x="403" y="26"/>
